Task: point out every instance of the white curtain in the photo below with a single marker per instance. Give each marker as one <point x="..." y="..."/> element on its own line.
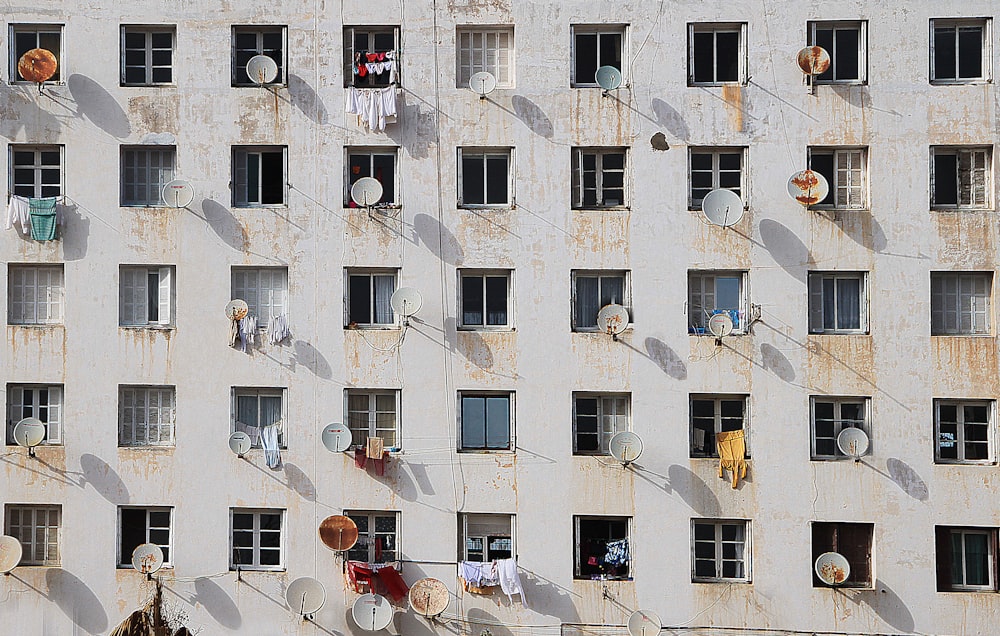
<point x="384" y="286"/>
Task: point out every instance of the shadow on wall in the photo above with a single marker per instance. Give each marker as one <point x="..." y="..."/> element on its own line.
<point x="479" y="619"/>
<point x="35" y="120"/>
<point x="670" y="119"/>
<point x="774" y="361"/>
<point x="224" y="224"/>
<point x="306" y="100"/>
<point x="75" y="233"/>
<point x="300" y="482"/>
<point x="787" y="250"/>
<point x="438" y="239"/>
<point x="547" y="598"/>
<point x="888" y="606"/>
<point x="217" y="603"/>
<point x="665" y="358"/>
<point x="532" y="116"/>
<point x="907" y="479"/>
<point x="104" y="479"/>
<point x="469" y="343"/>
<point x="418" y="126"/>
<point x="694" y="491"/>
<point x="97" y="105"/>
<point x="76" y="600"/>
<point x="310" y="357"/>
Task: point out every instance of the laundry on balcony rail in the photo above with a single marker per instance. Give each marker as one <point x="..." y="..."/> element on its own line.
<point x="375" y="107"/>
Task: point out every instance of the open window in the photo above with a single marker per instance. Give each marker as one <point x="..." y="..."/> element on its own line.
<point x="713" y="292"/>
<point x="603" y="549"/>
<point x="594" y="46"/>
<point x="368" y="296"/>
<point x="24" y="37"/>
<point x="597" y="417"/>
<point x="714" y="414"/>
<point x="250" y="41"/>
<point x="378" y="163"/>
<point x="720" y="551"/>
<point x="143" y="525"/>
<point x="966" y="559"/>
<point x="847" y="44"/>
<point x="254" y="409"/>
<point x="259" y="176"/>
<point x="830" y="416"/>
<point x="145" y="296"/>
<point x="961" y="177"/>
<point x="716" y="54"/>
<point x="370" y="53"/>
<point x="377" y="536"/>
<point x="485" y="537"/>
<point x="853" y="541"/>
<point x="964" y="431"/>
<point x="599" y="178"/>
<point x="372" y="413"/>
<point x="593" y="290"/>
<point x="41" y="401"/>
<point x="838" y="302"/>
<point x="961" y="50"/>
<point x="845" y="170"/>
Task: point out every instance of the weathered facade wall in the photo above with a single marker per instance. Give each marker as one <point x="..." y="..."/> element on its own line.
<point x="899" y="488"/>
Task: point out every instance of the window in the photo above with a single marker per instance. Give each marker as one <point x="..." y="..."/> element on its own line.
<point x="960" y="177"/>
<point x="831" y="415"/>
<point x="37" y="528"/>
<point x="258" y="176"/>
<point x="486" y="422"/>
<point x="838" y="302"/>
<point x="44" y="402"/>
<point x="596" y="419"/>
<point x="379" y="163"/>
<point x="147" y="55"/>
<point x="720" y="551"/>
<point x="249" y="41"/>
<point x="377" y="538"/>
<point x="256" y="539"/>
<point x="847" y="44"/>
<point x="485" y="299"/>
<point x="594" y="290"/>
<point x="595" y="46"/>
<point x="484" y="177"/>
<point x="851" y="540"/>
<point x="602" y="547"/>
<point x="144" y="173"/>
<point x="36" y="171"/>
<point x="964" y="431"/>
<point x="966" y="559"/>
<point x="373" y="414"/>
<point x="712" y="169"/>
<point x="361" y="41"/>
<point x="34" y="294"/>
<point x="960" y="302"/>
<point x="143" y="525"/>
<point x="844" y="169"/>
<point x="368" y="296"/>
<point x="486" y="49"/>
<point x="253" y="409"/>
<point x="145" y="296"/>
<point x="961" y="51"/>
<point x="711" y="415"/>
<point x="598" y="178"/>
<point x="145" y="416"/>
<point x="716" y="54"/>
<point x="711" y="293"/>
<point x="485" y="537"/>
<point x="265" y="290"/>
<point x="24" y="37"/>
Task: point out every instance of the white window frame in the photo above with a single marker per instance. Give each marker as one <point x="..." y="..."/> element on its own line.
<point x="350" y="34"/>
<point x="991" y="541"/>
<point x="372" y="412"/>
<point x="719" y="553"/>
<point x="484" y="154"/>
<point x="242" y="187"/>
<point x="609" y="420"/>
<point x="980" y="168"/>
<point x="480" y="523"/>
<point x="367" y="537"/>
<point x="986" y="49"/>
<point x="717" y="172"/>
<point x="699" y="327"/>
<point x="38" y="29"/>
<point x="134" y="393"/>
<point x="621" y="30"/>
<point x="970" y="301"/>
<point x="46" y="284"/>
<point x="148" y="178"/>
<point x="256" y="547"/>
<point x="839" y="423"/>
<point x="861" y="26"/>
<point x="265" y="290"/>
<point x="41" y="538"/>
<point x="38" y="187"/>
<point x="259" y="30"/>
<point x="486" y="448"/>
<point x="125" y="560"/>
<point x="52" y="417"/>
<point x="371" y="152"/>
<point x="716" y="28"/>
<point x="133" y="295"/>
<point x="717" y="399"/>
<point x="578" y="556"/>
<point x="148" y="66"/>
<point x="371" y="275"/>
<point x="818" y="309"/>
<point x="626" y="301"/>
<point x="600" y="173"/>
<point x="959" y="441"/>
<point x="483" y="275"/>
<point x="495" y="54"/>
<point x="257" y="393"/>
<point x="848" y="183"/>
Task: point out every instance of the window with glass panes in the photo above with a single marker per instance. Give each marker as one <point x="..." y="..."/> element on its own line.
<point x="44" y="402"/>
<point x="844" y="170"/>
<point x="144" y="173"/>
<point x="362" y="41"/>
<point x="966" y="559"/>
<point x="720" y="551"/>
<point x="486" y="422"/>
<point x="377" y="164"/>
<point x="256" y="539"/>
<point x="960" y="303"/>
<point x="368" y="299"/>
<point x="36" y="171"/>
<point x="249" y="41"/>
<point x="832" y="415"/>
<point x="964" y="431"/>
<point x="591" y="292"/>
<point x="961" y="177"/>
<point x="265" y="290"/>
<point x="715" y="54"/>
<point x="484" y="178"/>
<point x="711" y="293"/>
<point x="37" y="528"/>
<point x="837" y="302"/>
<point x="598" y="178"/>
<point x="961" y="50"/>
<point x="255" y="409"/>
<point x="596" y="419"/>
<point x="485" y="537"/>
<point x="35" y="294"/>
<point x="25" y="37"/>
<point x="484" y="299"/>
<point x="145" y="416"/>
<point x="372" y="414"/>
<point x="713" y="169"/>
<point x="376" y="537"/>
<point x="595" y="46"/>
<point x="490" y="50"/>
<point x="846" y="43"/>
<point x="143" y="525"/>
<point x="147" y="55"/>
<point x="711" y="415"/>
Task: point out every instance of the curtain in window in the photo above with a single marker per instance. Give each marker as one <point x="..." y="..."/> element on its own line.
<point x="385" y="285"/>
<point x="587" y="301"/>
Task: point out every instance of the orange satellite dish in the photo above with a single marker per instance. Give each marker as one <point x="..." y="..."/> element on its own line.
<point x="37" y="65"/>
<point x="338" y="533"/>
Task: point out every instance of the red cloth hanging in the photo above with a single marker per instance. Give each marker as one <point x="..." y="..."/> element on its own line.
<point x="395" y="586"/>
<point x="360" y="574"/>
<point x="360" y="459"/>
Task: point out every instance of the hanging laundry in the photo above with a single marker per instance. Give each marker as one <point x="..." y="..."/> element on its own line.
<point x="617" y="553"/>
<point x="234" y="332"/>
<point x="277" y="329"/>
<point x="394" y="584"/>
<point x="360" y="457"/>
<point x="248" y="332"/>
<point x="43" y="218"/>
<point x="510" y="582"/>
<point x="359" y="573"/>
<point x="374" y="447"/>
<point x="373" y="106"/>
<point x="269" y="442"/>
<point x="19" y="213"/>
<point x="732" y="449"/>
<point x="477" y="574"/>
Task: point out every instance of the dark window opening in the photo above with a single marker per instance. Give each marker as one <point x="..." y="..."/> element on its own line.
<point x="851" y="540"/>
<point x="602" y="548"/>
<point x="484" y="301"/>
<point x="485" y="179"/>
<point x="381" y="167"/>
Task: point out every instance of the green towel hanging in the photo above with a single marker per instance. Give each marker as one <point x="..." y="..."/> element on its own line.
<point x="43" y="218"/>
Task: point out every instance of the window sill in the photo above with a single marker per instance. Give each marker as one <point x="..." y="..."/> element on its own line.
<point x="840" y="333"/>
<point x="961" y="335"/>
<point x="499" y="207"/>
<point x="705" y="333"/>
<point x="38" y="325"/>
<point x="366" y="327"/>
<point x="594" y="331"/>
<point x="392" y="450"/>
<point x="486" y="451"/>
<point x="959" y="462"/>
<point x="602" y="578"/>
<point x="166" y="85"/>
<point x="44" y="84"/>
<point x="259" y="206"/>
<point x="146" y="206"/>
<point x="714" y="458"/>
<point x="961" y="82"/>
<point x="154" y="449"/>
<point x="374" y="208"/>
<point x="857" y="82"/>
<point x="148" y="327"/>
<point x="602" y="208"/>
<point x="271" y="85"/>
<point x="969" y="590"/>
<point x="721" y="580"/>
<point x="261" y="570"/>
<point x="715" y="84"/>
<point x="955" y="208"/>
<point x="834" y="208"/>
<point x="128" y="566"/>
<point x="487" y="329"/>
<point x="831" y="459"/>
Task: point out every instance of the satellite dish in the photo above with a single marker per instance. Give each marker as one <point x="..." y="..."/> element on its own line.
<point x="338" y="533"/>
<point x="372" y="612"/>
<point x="262" y="70"/>
<point x="147" y="558"/>
<point x="29" y="433"/>
<point x="853" y="442"/>
<point x="10" y="553"/>
<point x="644" y="623"/>
<point x="366" y="191"/>
<point x="625" y="447"/>
<point x="178" y="193"/>
<point x="720" y="325"/>
<point x="337" y="438"/>
<point x="428" y="597"/>
<point x="237" y="309"/>
<point x="305" y="595"/>
<point x="406" y="301"/>
<point x="608" y="77"/>
<point x="722" y="207"/>
<point x="813" y="60"/>
<point x="612" y="319"/>
<point x="37" y="65"/>
<point x="808" y="187"/>
<point x="832" y="568"/>
<point x="483" y="83"/>
<point x="240" y="443"/>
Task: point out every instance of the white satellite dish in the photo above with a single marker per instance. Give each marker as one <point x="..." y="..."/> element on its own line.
<point x="305" y="596"/>
<point x="720" y="325"/>
<point x="147" y="558"/>
<point x="625" y="447"/>
<point x="29" y="433"/>
<point x="722" y="207"/>
<point x="240" y="443"/>
<point x="853" y="442"/>
<point x="483" y="83"/>
<point x="178" y="193"/>
<point x="608" y="77"/>
<point x="808" y="187"/>
<point x="336" y="437"/>
<point x="406" y="301"/>
<point x="428" y="597"/>
<point x="832" y="568"/>
<point x="237" y="309"/>
<point x="372" y="612"/>
<point x="262" y="70"/>
<point x="10" y="553"/>
<point x="644" y="623"/>
<point x="366" y="191"/>
<point x="612" y="320"/>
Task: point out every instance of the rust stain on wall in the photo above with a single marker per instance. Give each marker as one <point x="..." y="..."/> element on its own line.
<point x="967" y="239"/>
<point x="489" y="355"/>
<point x="601" y="233"/>
<point x="842" y="362"/>
<point x="152" y="113"/>
<point x="967" y="364"/>
<point x="723" y="245"/>
<point x="732" y="95"/>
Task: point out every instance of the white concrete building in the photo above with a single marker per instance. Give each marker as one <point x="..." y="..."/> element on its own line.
<point x="517" y="217"/>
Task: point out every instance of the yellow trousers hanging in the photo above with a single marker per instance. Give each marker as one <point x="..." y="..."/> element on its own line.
<point x="732" y="449"/>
